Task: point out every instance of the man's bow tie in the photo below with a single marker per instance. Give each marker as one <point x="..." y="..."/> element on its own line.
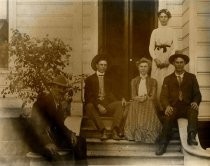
<point x="101" y="75"/>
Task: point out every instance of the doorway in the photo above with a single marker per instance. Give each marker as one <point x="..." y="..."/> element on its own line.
<point x="125" y="27"/>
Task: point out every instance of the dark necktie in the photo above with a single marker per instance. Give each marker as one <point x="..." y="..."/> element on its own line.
<point x="180" y="92"/>
<point x="101" y="87"/>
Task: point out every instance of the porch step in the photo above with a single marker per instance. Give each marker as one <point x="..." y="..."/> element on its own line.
<point x="124" y="145"/>
<point x="89" y="130"/>
<point x="130" y="152"/>
<point x="12" y="136"/>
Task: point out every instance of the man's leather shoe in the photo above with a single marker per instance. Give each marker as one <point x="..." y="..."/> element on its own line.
<point x="115" y="135"/>
<point x="104" y="135"/>
<point x="191" y="139"/>
<point x="161" y="149"/>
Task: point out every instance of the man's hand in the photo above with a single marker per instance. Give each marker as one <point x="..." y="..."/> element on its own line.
<point x="169" y="111"/>
<point x="73" y="139"/>
<point x="102" y="109"/>
<point x="194" y="105"/>
<point x="124" y="102"/>
<point x="52" y="148"/>
<point x="65" y="105"/>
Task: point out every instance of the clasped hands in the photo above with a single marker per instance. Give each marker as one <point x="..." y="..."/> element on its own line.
<point x="141" y="98"/>
<point x="52" y="148"/>
<point x="161" y="64"/>
<point x="169" y="110"/>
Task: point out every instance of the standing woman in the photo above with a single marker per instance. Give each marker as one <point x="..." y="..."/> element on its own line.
<point x="163" y="44"/>
<point x="142" y="123"/>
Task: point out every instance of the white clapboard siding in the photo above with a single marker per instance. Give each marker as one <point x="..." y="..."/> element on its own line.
<point x="203" y="55"/>
<point x="203" y="21"/>
<point x="204" y="35"/>
<point x="203" y="65"/>
<point x="203" y="7"/>
<point x="204" y="111"/>
<point x="205" y="94"/>
<point x="203" y="50"/>
<point x="204" y="79"/>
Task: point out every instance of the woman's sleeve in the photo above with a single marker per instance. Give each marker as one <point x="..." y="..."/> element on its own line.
<point x="152" y="45"/>
<point x="175" y="42"/>
<point x="154" y="90"/>
<point x="133" y="89"/>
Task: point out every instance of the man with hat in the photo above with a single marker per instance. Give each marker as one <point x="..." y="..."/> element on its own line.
<point x="180" y="97"/>
<point x="46" y="125"/>
<point x="100" y="100"/>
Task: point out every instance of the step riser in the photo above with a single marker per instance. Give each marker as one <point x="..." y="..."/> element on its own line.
<point x="136" y="161"/>
<point x="124" y="147"/>
<point x="12" y="136"/>
<point x="13" y="148"/>
<point x="132" y="153"/>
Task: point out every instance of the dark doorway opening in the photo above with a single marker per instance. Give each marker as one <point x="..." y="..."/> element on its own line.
<point x="125" y="27"/>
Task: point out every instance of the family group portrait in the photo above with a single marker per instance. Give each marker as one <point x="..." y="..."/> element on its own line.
<point x="104" y="82"/>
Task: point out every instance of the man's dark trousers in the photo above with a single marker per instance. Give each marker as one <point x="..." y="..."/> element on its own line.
<point x="180" y="110"/>
<point x="114" y="109"/>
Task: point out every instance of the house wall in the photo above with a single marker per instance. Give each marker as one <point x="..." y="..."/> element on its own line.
<point x="202" y="52"/>
<point x="75" y="22"/>
<point x="196" y="28"/>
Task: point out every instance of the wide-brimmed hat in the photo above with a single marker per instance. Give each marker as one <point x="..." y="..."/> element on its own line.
<point x="96" y="59"/>
<point x="60" y="80"/>
<point x="144" y="60"/>
<point x="178" y="54"/>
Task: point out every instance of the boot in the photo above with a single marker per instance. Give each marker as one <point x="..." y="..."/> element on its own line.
<point x="104" y="135"/>
<point x="191" y="139"/>
<point x="161" y="149"/>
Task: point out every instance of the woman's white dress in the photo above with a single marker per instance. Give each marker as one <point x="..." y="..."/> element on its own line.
<point x="163" y="44"/>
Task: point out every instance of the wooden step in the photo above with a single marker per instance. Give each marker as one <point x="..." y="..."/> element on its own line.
<point x="132" y="153"/>
<point x="124" y="148"/>
<point x="124" y="145"/>
<point x="14" y="160"/>
<point x="148" y="161"/>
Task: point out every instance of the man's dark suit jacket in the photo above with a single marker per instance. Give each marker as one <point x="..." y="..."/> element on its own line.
<point x="46" y="125"/>
<point x="170" y="90"/>
<point x="46" y="116"/>
<point x="92" y="90"/>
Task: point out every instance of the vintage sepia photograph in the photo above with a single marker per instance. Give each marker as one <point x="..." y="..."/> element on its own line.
<point x="104" y="82"/>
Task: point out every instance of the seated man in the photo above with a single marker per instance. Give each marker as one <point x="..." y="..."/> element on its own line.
<point x="100" y="100"/>
<point x="46" y="125"/>
<point x="180" y="97"/>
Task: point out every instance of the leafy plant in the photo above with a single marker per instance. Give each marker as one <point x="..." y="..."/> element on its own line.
<point x="36" y="62"/>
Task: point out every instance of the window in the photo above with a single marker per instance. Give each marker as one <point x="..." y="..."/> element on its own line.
<point x="3" y="33"/>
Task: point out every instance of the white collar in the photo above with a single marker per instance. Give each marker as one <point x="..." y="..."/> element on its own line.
<point x="180" y="75"/>
<point x="143" y="76"/>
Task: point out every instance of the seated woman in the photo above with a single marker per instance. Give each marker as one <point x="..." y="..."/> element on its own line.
<point x="142" y="123"/>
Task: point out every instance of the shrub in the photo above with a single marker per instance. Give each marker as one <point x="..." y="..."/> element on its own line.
<point x="35" y="63"/>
